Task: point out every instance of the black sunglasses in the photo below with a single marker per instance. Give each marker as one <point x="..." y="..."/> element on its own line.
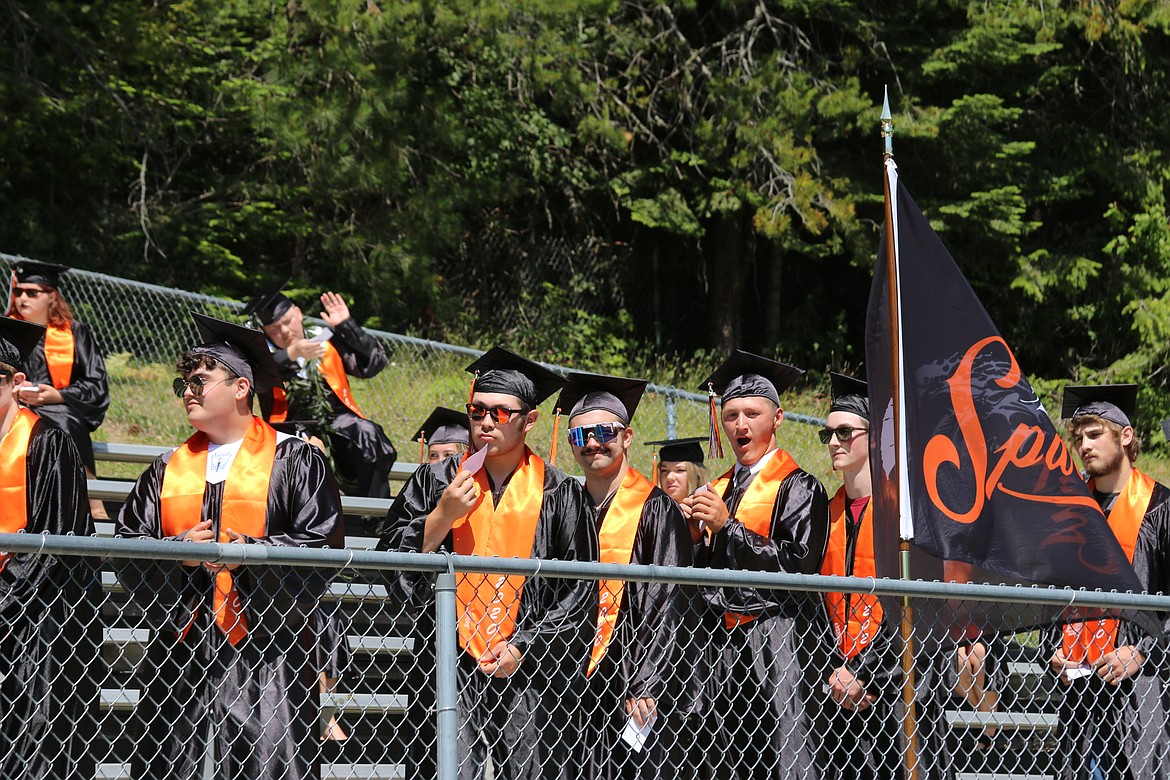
<point x="844" y="433"/>
<point x="501" y="414"/>
<point x="197" y="384"/>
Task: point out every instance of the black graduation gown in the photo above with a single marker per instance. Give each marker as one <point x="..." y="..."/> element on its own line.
<point x="649" y="656"/>
<point x="87" y="396"/>
<point x="361" y="451"/>
<point x="528" y="719"/>
<point x="262" y="693"/>
<point x="764" y="668"/>
<point x="860" y="744"/>
<point x="1130" y="720"/>
<point x="50" y="638"/>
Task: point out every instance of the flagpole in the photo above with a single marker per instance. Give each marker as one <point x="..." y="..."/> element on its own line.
<point x="910" y="720"/>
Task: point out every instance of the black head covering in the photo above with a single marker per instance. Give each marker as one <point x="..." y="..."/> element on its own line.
<point x="744" y="374"/>
<point x="270" y="304"/>
<point x="17" y="341"/>
<point x="503" y="371"/>
<point x="243" y="350"/>
<point x="685" y="450"/>
<point x="444" y="426"/>
<point x="1115" y="403"/>
<point x="849" y="395"/>
<point x="599" y="392"/>
<point x="34" y="272"/>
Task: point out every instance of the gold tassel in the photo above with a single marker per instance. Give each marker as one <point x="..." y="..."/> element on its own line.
<point x="471" y="394"/>
<point x="714" y="440"/>
<point x="422" y="450"/>
<point x="552" y="452"/>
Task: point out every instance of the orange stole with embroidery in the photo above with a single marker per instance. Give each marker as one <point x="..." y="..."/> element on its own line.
<point x="489" y="603"/>
<point x="59" y="354"/>
<point x="855" y="626"/>
<point x="14" y="475"/>
<point x="1089" y="641"/>
<point x="244" y="508"/>
<point x="616" y="538"/>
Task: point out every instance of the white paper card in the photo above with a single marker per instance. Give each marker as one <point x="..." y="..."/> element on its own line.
<point x="636" y="737"/>
<point x="1077" y="672"/>
<point x="475" y="461"/>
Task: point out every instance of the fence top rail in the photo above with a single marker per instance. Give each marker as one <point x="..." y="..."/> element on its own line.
<point x="258" y="554"/>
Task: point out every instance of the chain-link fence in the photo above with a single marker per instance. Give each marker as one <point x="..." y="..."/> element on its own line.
<point x="104" y="677"/>
<point x="141" y="328"/>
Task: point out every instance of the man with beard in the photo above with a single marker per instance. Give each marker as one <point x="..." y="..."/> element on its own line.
<point x="638" y="672"/>
<point x="766" y="514"/>
<point x="1114" y="715"/>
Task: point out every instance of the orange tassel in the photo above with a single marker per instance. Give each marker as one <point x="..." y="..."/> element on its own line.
<point x="552" y="452"/>
<point x="471" y="394"/>
<point x="714" y="440"/>
<point x="422" y="450"/>
<point x="654" y="468"/>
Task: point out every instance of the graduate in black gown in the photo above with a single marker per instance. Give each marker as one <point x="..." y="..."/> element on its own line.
<point x="225" y="655"/>
<point x="361" y="452"/>
<point x="520" y="675"/>
<point x="49" y="605"/>
<point x="859" y="670"/>
<point x="640" y="666"/>
<point x="67" y="367"/>
<point x="1116" y="709"/>
<point x="766" y="514"/>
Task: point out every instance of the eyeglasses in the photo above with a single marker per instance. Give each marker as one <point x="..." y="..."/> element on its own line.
<point x="31" y="293"/>
<point x="197" y="384"/>
<point x="844" y="433"/>
<point x="603" y="433"/>
<point x="501" y="414"/>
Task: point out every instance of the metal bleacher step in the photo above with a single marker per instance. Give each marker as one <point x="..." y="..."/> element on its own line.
<point x="368" y="644"/>
<point x="328" y="772"/>
<point x="1041" y="721"/>
<point x="344" y="591"/>
<point x="125" y="699"/>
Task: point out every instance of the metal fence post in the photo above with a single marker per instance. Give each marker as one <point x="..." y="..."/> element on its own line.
<point x="671" y="418"/>
<point x="447" y="725"/>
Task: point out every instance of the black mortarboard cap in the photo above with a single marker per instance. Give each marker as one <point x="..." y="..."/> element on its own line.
<point x="34" y="272"/>
<point x="444" y="426"/>
<point x="1116" y="403"/>
<point x="503" y="371"/>
<point x="243" y="350"/>
<point x="598" y="392"/>
<point x="849" y="395"/>
<point x="744" y="374"/>
<point x="270" y="303"/>
<point x="17" y="340"/>
<point x="676" y="450"/>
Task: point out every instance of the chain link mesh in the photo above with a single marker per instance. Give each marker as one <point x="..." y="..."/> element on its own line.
<point x="82" y="677"/>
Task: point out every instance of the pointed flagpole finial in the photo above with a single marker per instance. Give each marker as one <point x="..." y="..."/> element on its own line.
<point x="887" y="125"/>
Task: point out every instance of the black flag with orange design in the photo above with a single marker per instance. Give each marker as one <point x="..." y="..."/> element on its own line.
<point x="993" y="493"/>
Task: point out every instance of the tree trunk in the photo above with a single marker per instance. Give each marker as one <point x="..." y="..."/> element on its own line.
<point x="725" y="248"/>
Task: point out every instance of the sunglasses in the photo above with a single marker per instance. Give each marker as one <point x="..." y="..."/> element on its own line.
<point x="843" y="433"/>
<point x="501" y="414"/>
<point x="602" y="433"/>
<point x="197" y="384"/>
<point x="31" y="293"/>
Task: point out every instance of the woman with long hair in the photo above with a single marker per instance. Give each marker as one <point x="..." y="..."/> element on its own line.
<point x="66" y="378"/>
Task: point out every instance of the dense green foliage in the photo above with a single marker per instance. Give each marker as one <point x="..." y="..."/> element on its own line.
<point x="725" y="153"/>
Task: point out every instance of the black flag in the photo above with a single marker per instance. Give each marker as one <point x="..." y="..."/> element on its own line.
<point x="989" y="490"/>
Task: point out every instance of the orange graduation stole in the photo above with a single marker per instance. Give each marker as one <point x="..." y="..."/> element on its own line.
<point x="616" y="539"/>
<point x="59" y="354"/>
<point x="333" y="369"/>
<point x="489" y="603"/>
<point x="855" y="616"/>
<point x="755" y="508"/>
<point x="14" y="475"/>
<point x="1089" y="641"/>
<point x="245" y="506"/>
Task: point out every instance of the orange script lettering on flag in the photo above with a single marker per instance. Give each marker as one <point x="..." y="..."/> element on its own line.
<point x="1027" y="447"/>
